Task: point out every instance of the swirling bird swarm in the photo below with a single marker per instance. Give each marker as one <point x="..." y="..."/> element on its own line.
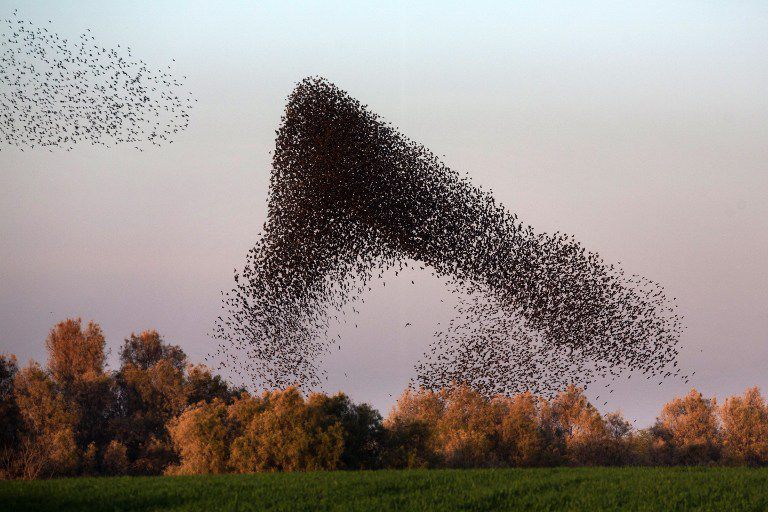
<point x="59" y="91"/>
<point x="350" y="196"/>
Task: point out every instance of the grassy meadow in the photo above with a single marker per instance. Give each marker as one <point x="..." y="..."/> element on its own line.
<point x="556" y="489"/>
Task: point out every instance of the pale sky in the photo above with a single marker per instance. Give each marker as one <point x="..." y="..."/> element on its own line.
<point x="641" y="129"/>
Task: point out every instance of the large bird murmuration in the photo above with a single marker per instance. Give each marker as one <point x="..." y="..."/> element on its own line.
<point x="350" y="196"/>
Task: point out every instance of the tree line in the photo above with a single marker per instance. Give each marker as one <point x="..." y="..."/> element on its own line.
<point x="159" y="414"/>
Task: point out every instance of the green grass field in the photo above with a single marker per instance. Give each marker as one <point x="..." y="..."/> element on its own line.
<point x="591" y="489"/>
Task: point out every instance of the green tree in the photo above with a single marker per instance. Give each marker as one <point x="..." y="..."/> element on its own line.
<point x="10" y="421"/>
<point x="203" y="386"/>
<point x="151" y="390"/>
<point x="144" y="350"/>
<point x="361" y="425"/>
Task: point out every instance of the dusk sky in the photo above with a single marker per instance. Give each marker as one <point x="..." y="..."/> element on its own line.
<point x="642" y="130"/>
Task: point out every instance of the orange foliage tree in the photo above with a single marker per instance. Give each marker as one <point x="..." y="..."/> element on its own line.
<point x="583" y="430"/>
<point x="287" y="434"/>
<point x="412" y="440"/>
<point x="202" y="436"/>
<point x="689" y="428"/>
<point x="47" y="444"/>
<point x="75" y="353"/>
<point x="521" y="440"/>
<point x="745" y="428"/>
<point x="465" y="432"/>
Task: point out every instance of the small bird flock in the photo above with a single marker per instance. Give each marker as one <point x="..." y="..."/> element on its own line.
<point x="350" y="197"/>
<point x="58" y="92"/>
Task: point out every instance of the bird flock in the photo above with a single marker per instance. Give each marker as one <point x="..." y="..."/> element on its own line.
<point x="350" y="198"/>
<point x="59" y="91"/>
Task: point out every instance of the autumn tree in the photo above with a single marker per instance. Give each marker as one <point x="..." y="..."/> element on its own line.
<point x="74" y="353"/>
<point x="581" y="426"/>
<point x="689" y="427"/>
<point x="159" y="414"/>
<point x="465" y="431"/>
<point x="521" y="441"/>
<point x="745" y="428"/>
<point x="244" y="408"/>
<point x="287" y="434"/>
<point x="411" y="433"/>
<point x="64" y="410"/>
<point x="115" y="459"/>
<point x="10" y="420"/>
<point x="47" y="445"/>
<point x="76" y="356"/>
<point x="155" y="385"/>
<point x="202" y="436"/>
